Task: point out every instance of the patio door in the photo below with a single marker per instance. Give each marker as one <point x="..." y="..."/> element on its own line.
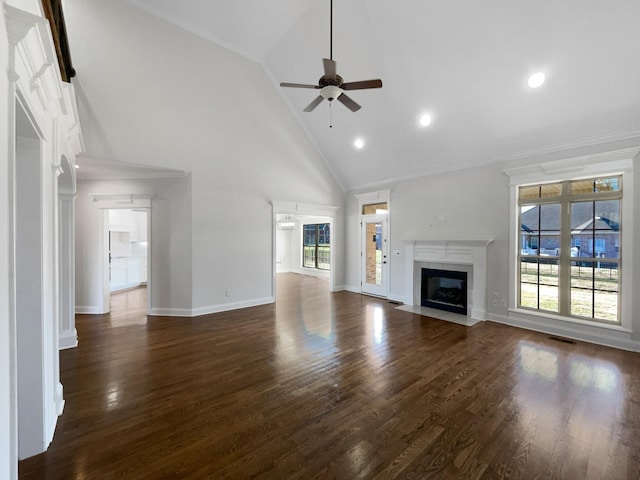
<point x="374" y="253"/>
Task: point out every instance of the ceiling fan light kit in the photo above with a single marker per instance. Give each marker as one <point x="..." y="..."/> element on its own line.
<point x="330" y="92"/>
<point x="331" y="85"/>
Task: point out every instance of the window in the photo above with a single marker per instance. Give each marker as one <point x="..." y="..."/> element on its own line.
<point x="569" y="248"/>
<point x="316" y="246"/>
<point x="375" y="208"/>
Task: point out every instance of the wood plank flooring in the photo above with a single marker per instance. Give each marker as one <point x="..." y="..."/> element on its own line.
<point x="344" y="386"/>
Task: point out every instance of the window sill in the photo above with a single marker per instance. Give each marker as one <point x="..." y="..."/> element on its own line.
<point x="560" y="318"/>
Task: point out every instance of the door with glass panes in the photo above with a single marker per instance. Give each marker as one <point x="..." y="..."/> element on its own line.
<point x="374" y="254"/>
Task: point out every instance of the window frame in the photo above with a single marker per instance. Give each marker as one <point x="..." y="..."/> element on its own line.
<point x="562" y="257"/>
<point x="606" y="164"/>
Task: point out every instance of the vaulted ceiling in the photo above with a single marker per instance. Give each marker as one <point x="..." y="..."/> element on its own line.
<point x="464" y="62"/>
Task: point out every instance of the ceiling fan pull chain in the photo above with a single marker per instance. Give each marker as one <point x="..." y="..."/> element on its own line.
<point x="330" y="115"/>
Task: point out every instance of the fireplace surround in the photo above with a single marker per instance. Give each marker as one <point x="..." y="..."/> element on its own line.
<point x="469" y="256"/>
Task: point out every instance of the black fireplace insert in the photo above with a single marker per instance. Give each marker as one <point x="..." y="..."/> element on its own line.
<point x="445" y="290"/>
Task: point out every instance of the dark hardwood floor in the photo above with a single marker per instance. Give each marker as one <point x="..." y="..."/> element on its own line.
<point x="339" y="385"/>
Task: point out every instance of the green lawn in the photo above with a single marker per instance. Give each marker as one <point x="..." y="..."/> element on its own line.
<point x="324" y="256"/>
<point x="584" y="280"/>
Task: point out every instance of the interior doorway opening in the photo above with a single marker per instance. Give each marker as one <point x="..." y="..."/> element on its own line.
<point x="303" y="241"/>
<point x="303" y="245"/>
<point x="127" y="252"/>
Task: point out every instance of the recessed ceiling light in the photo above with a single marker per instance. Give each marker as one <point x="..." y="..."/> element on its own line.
<point x="77" y="166"/>
<point x="358" y="143"/>
<point x="536" y="80"/>
<point x="425" y="120"/>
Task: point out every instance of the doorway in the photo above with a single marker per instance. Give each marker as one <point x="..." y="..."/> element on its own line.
<point x="374" y="210"/>
<point x="375" y="255"/>
<point x="303" y="245"/>
<point x="127" y="247"/>
<point x="297" y="252"/>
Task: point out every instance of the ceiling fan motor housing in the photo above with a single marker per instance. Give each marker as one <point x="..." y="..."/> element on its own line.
<point x="336" y="80"/>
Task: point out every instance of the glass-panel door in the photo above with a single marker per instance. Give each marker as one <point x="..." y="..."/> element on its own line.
<point x="374" y="255"/>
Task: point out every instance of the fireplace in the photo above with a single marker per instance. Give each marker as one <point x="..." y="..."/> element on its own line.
<point x="444" y="290"/>
<point x="469" y="256"/>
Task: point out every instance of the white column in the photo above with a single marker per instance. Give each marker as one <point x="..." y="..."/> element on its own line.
<point x="8" y="399"/>
<point x="33" y="368"/>
<point x="68" y="333"/>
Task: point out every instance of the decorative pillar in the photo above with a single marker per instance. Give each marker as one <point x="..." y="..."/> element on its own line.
<point x="66" y="209"/>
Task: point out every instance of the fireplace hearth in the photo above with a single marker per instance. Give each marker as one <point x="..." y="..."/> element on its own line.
<point x="444" y="290"/>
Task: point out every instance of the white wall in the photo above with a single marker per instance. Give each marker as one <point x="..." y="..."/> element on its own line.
<point x="474" y="204"/>
<point x="170" y="243"/>
<point x="154" y="94"/>
<point x="8" y="455"/>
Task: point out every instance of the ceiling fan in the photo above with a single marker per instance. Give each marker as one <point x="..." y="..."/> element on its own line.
<point x="331" y="85"/>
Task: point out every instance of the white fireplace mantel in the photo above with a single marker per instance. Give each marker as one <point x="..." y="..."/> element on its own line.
<point x="454" y="253"/>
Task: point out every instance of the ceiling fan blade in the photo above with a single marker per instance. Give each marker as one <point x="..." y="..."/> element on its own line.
<point x="377" y="83"/>
<point x="298" y="85"/>
<point x="329" y="68"/>
<point x="348" y="102"/>
<point x="314" y="104"/>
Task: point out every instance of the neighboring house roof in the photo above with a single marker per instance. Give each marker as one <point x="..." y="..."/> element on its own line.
<point x="582" y="217"/>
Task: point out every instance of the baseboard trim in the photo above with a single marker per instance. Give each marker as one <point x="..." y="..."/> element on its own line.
<point x="313" y="272"/>
<point x="622" y="340"/>
<point x="82" y="310"/>
<point x="196" y="312"/>
<point x="400" y="298"/>
<point x="171" y="312"/>
<point x="353" y="289"/>
<point x="68" y="339"/>
<point x="231" y="306"/>
<point x="59" y="399"/>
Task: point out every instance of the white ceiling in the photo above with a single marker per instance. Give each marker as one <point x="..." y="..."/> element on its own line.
<point x="465" y="62"/>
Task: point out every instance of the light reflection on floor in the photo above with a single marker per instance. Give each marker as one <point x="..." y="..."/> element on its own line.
<point x="544" y="396"/>
<point x="542" y="360"/>
<point x="306" y="324"/>
<point x="307" y="327"/>
<point x="128" y="307"/>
